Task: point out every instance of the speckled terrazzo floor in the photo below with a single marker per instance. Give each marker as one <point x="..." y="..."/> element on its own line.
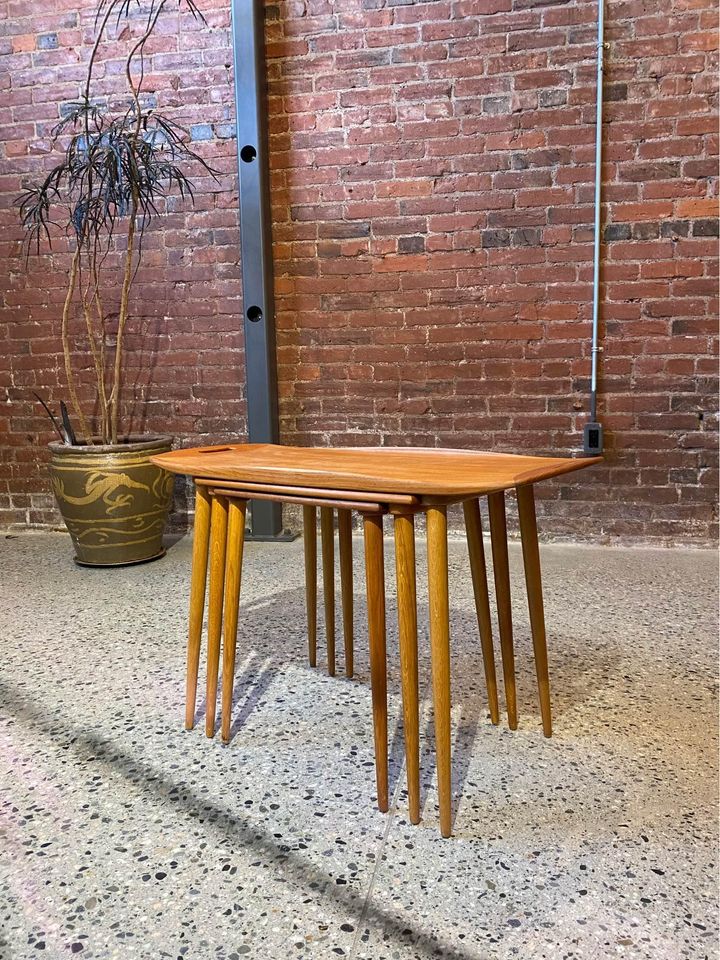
<point x="123" y="836"/>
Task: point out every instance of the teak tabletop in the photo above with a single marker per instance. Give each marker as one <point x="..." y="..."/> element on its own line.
<point x="425" y="472"/>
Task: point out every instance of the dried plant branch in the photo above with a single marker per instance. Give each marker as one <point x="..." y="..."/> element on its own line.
<point x="95" y="342"/>
<point x="115" y="168"/>
<point x="67" y="356"/>
<point x="52" y="416"/>
<point x="122" y="320"/>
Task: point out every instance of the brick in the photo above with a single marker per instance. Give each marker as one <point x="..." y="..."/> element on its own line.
<point x="705" y="207"/>
<point x="552" y="98"/>
<point x="613" y="92"/>
<point x="497" y="105"/>
<point x="645" y="231"/>
<point x="651" y="210"/>
<point x="47" y="41"/>
<point x="496" y="238"/>
<point x="617" y="231"/>
<point x="201" y="131"/>
<point x="411" y="245"/>
<point x="650" y="171"/>
<point x="675" y="228"/>
<point x="705" y="228"/>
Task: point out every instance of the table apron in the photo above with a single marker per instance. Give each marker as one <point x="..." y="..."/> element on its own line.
<point x="238" y="494"/>
<point x="297" y="491"/>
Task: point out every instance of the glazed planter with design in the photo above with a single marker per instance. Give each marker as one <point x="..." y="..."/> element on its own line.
<point x="113" y="500"/>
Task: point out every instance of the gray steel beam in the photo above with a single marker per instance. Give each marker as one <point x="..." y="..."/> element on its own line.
<point x="256" y="244"/>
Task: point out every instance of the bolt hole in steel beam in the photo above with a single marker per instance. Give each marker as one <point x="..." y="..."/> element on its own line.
<point x="254" y="314"/>
<point x="248" y="153"/>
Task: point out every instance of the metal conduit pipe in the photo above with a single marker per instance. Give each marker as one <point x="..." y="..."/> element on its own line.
<point x="593" y="431"/>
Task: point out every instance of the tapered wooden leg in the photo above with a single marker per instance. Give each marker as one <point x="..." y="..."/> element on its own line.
<point x="375" y="585"/>
<point x="476" y="550"/>
<point x="327" y="536"/>
<point x="233" y="573"/>
<point x="310" y="541"/>
<point x="440" y="656"/>
<point x="407" y="622"/>
<point x="501" y="574"/>
<point x="346" y="586"/>
<point x="218" y="539"/>
<point x="201" y="537"/>
<point x="533" y="581"/>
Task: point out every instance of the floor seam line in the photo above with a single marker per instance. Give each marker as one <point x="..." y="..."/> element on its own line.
<point x="390" y="819"/>
<point x="363" y="913"/>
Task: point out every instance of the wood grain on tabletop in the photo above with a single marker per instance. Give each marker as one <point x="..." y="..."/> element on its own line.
<point x="425" y="471"/>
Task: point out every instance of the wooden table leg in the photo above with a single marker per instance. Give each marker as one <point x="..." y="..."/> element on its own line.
<point x="501" y="574"/>
<point x="440" y="655"/>
<point x="233" y="574"/>
<point x="218" y="539"/>
<point x="404" y="525"/>
<point x="476" y="550"/>
<point x="375" y="585"/>
<point x="327" y="536"/>
<point x="346" y="586"/>
<point x="533" y="581"/>
<point x="310" y="543"/>
<point x="201" y="537"/>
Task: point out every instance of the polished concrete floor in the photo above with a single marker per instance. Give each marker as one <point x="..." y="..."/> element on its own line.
<point x="123" y="836"/>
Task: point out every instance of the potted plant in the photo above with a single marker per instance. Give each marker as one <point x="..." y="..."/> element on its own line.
<point x="119" y="161"/>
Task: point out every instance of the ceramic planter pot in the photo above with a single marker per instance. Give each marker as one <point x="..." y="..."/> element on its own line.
<point x="113" y="500"/>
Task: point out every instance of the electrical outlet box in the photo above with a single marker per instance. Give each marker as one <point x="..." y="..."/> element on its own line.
<point x="593" y="439"/>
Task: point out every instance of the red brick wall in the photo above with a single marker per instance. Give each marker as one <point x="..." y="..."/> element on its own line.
<point x="432" y="185"/>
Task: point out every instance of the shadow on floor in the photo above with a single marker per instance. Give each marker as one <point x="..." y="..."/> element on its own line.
<point x="220" y="819"/>
<point x="265" y="658"/>
<point x="259" y="620"/>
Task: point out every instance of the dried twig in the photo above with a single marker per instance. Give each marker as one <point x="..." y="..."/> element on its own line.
<point x="115" y="168"/>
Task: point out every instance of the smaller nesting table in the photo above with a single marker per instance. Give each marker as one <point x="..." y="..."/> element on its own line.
<point x="373" y="481"/>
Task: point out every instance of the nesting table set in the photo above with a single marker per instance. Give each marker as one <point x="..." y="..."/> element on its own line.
<point x="373" y="482"/>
